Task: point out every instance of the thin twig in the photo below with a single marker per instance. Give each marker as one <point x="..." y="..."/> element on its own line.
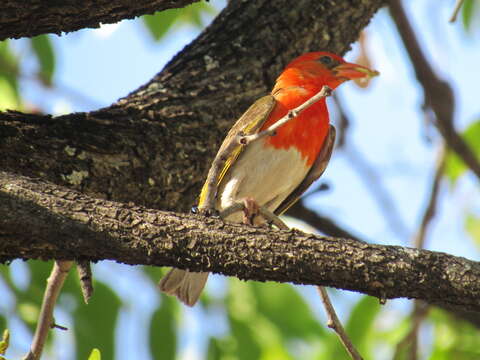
<point x="85" y="276"/>
<point x="334" y="323"/>
<point x="438" y="93"/>
<point x="292" y="114"/>
<point x="45" y="321"/>
<point x="343" y="123"/>
<point x="60" y="327"/>
<point x="456" y="10"/>
<point x="419" y="238"/>
<point x="242" y="139"/>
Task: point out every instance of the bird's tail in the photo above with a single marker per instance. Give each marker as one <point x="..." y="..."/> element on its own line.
<point x="185" y="285"/>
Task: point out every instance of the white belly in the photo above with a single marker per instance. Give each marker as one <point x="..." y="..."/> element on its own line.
<point x="265" y="174"/>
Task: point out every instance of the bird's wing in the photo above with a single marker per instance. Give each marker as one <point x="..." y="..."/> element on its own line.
<point x="315" y="172"/>
<point x="249" y="123"/>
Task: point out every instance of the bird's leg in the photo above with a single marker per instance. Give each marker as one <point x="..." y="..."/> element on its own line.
<point x="250" y="210"/>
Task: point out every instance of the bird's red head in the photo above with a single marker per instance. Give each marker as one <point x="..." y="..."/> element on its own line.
<point x="316" y="69"/>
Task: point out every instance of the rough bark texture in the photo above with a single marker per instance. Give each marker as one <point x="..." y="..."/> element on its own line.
<point x="154" y="146"/>
<point x="20" y="18"/>
<point x="50" y="222"/>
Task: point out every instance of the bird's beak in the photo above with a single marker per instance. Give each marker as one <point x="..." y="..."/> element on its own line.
<point x="349" y="71"/>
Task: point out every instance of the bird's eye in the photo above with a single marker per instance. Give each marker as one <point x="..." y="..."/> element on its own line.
<point x="326" y="60"/>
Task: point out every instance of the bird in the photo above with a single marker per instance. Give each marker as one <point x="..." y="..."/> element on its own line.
<point x="274" y="171"/>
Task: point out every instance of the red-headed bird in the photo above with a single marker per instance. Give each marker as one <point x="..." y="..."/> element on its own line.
<point x="275" y="170"/>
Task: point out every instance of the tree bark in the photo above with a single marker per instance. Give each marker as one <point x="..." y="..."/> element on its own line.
<point x="46" y="221"/>
<point x="154" y="146"/>
<point x="18" y="19"/>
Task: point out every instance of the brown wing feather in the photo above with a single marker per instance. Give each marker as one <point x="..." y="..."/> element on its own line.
<point x="249" y="123"/>
<point x="315" y="172"/>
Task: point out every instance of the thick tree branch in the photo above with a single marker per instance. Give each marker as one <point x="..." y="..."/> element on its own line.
<point x="21" y="19"/>
<point x="45" y="221"/>
<point x="154" y="147"/>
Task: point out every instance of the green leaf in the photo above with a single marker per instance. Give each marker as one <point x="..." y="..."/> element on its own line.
<point x="467" y="13"/>
<point x="361" y="322"/>
<point x="276" y="301"/>
<point x="358" y="328"/>
<point x="254" y="334"/>
<point x="193" y="14"/>
<point x="472" y="225"/>
<point x="29" y="313"/>
<point x="214" y="351"/>
<point x="242" y="316"/>
<point x="455" y="167"/>
<point x="3" y="323"/>
<point x="8" y="95"/>
<point x="453" y="338"/>
<point x="163" y="337"/>
<point x="43" y="49"/>
<point x="95" y="355"/>
<point x="95" y="323"/>
<point x="5" y="342"/>
<point x="247" y="345"/>
<point x="159" y="23"/>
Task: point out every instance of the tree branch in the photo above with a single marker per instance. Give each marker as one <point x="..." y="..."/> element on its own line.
<point x="438" y="93"/>
<point x="456" y="10"/>
<point x="431" y="208"/>
<point x="335" y="324"/>
<point x="44" y="221"/>
<point x="41" y="17"/>
<point x="155" y="146"/>
<point x="46" y="322"/>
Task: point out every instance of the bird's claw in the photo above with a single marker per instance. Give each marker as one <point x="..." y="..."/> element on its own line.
<point x="205" y="211"/>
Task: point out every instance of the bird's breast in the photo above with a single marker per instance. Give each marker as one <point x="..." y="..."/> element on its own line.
<point x="307" y="132"/>
<point x="264" y="173"/>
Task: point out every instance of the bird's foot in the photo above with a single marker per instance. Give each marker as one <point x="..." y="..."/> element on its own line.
<point x="205" y="212"/>
<point x="250" y="210"/>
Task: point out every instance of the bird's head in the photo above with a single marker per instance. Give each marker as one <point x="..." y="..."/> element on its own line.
<point x="316" y="69"/>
